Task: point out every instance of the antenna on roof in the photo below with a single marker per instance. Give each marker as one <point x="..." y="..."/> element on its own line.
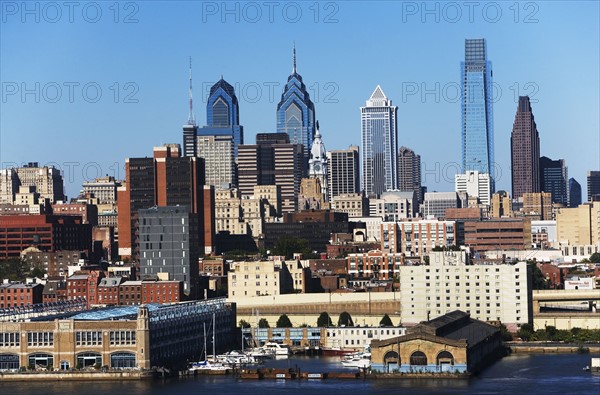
<point x="191" y="119"/>
<point x="294" y="68"/>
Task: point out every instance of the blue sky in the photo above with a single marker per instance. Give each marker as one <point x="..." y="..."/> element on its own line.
<point x="108" y="82"/>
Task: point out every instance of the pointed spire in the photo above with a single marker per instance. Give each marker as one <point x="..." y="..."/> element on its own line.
<point x="294" y="68"/>
<point x="191" y="118"/>
<point x="318" y="134"/>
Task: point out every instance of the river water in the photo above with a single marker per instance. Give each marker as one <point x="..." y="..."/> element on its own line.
<point x="515" y="374"/>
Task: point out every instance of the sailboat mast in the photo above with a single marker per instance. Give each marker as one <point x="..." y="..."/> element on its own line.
<point x="214" y="347"/>
<point x="204" y="326"/>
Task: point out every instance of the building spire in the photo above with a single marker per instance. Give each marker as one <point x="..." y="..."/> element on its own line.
<point x="191" y="118"/>
<point x="294" y="68"/>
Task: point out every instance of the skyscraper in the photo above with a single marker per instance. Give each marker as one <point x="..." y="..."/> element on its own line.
<point x="476" y="106"/>
<point x="574" y="193"/>
<point x="409" y="172"/>
<point x="222" y="118"/>
<point x="296" y="114"/>
<point x="554" y="179"/>
<point x="525" y="151"/>
<point x="318" y="164"/>
<point x="167" y="179"/>
<point x="272" y="161"/>
<point x="344" y="172"/>
<point x="379" y="136"/>
<point x="593" y="184"/>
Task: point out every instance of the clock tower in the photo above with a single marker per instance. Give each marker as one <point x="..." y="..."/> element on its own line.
<point x="317" y="164"/>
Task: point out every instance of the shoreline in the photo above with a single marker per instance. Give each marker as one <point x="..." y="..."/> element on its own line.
<point x="553" y="348"/>
<point x="76" y="376"/>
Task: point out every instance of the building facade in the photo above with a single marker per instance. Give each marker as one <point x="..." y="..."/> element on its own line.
<point x="47" y="181"/>
<point x="593" y="184"/>
<point x="344" y="172"/>
<point x="318" y="165"/>
<point x="169" y="244"/>
<point x="296" y="115"/>
<point x="409" y="172"/>
<point x="554" y="178"/>
<point x="525" y="151"/>
<point x="379" y="137"/>
<point x="474" y="184"/>
<point x="487" y="292"/>
<point x="477" y="110"/>
<point x="574" y="193"/>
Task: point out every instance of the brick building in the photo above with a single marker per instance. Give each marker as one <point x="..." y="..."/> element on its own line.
<point x="19" y="294"/>
<point x="47" y="232"/>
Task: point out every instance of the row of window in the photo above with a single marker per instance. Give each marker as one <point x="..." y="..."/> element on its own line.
<point x="40" y="339"/>
<point x="10" y="339"/>
<point x="88" y="338"/>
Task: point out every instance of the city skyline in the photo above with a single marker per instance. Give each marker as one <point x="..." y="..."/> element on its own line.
<point x="337" y="79"/>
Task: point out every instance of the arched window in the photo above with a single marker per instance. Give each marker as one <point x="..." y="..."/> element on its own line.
<point x="89" y="359"/>
<point x="122" y="360"/>
<point x="9" y="362"/>
<point x="41" y="359"/>
<point x="391" y="358"/>
<point x="418" y="358"/>
<point x="445" y="357"/>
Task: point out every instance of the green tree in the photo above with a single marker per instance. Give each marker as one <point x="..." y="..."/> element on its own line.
<point x="284" y="322"/>
<point x="539" y="281"/>
<point x="288" y="245"/>
<point x="386" y="321"/>
<point x="345" y="319"/>
<point x="263" y="323"/>
<point x="506" y="335"/>
<point x="244" y="324"/>
<point x="595" y="257"/>
<point x="324" y="320"/>
<point x="525" y="332"/>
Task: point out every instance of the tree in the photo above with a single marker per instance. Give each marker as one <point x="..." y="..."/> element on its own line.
<point x="263" y="323"/>
<point x="288" y="245"/>
<point x="386" y="321"/>
<point x="539" y="281"/>
<point x="506" y="335"/>
<point x="324" y="320"/>
<point x="244" y="324"/>
<point x="525" y="332"/>
<point x="345" y="319"/>
<point x="284" y="322"/>
<point x="595" y="257"/>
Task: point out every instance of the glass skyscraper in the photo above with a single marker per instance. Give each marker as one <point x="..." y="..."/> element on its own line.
<point x="296" y="114"/>
<point x="222" y="119"/>
<point x="379" y="137"/>
<point x="477" y="114"/>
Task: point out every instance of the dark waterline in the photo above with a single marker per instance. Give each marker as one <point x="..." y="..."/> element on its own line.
<point x="516" y="374"/>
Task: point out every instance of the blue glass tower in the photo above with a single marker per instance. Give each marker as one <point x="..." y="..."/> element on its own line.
<point x="477" y="114"/>
<point x="296" y="114"/>
<point x="222" y="114"/>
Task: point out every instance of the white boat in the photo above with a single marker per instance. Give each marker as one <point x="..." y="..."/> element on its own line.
<point x="237" y="358"/>
<point x="276" y="349"/>
<point x="209" y="367"/>
<point x="361" y="363"/>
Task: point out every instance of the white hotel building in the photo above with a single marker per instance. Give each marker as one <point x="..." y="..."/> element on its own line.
<point x="488" y="292"/>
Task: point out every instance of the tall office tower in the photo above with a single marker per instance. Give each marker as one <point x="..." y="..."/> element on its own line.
<point x="47" y="180"/>
<point x="593" y="184"/>
<point x="272" y="161"/>
<point x="219" y="162"/>
<point x="296" y="114"/>
<point x="222" y="118"/>
<point x="477" y="113"/>
<point x="554" y="179"/>
<point x="379" y="136"/>
<point x="574" y="193"/>
<point x="170" y="245"/>
<point x="525" y="151"/>
<point x="318" y="166"/>
<point x="474" y="184"/>
<point x="166" y="179"/>
<point x="409" y="172"/>
<point x="344" y="172"/>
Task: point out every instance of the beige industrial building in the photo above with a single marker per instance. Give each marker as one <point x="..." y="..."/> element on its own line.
<point x="487" y="292"/>
<point x="259" y="278"/>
